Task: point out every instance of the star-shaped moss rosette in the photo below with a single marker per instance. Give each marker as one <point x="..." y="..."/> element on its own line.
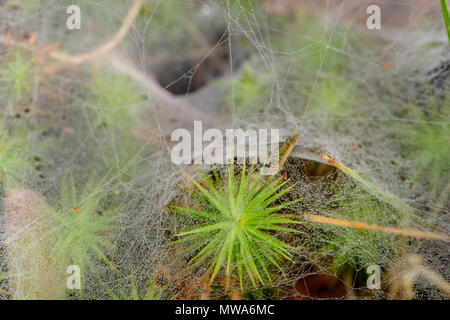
<point x="239" y="222"/>
<point x="80" y="227"/>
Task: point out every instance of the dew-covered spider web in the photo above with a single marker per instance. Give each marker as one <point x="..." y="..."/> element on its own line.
<point x="86" y="177"/>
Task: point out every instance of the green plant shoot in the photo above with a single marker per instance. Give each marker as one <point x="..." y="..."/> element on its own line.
<point x="237" y="231"/>
<point x="80" y="227"/>
<point x="13" y="163"/>
<point x="17" y="75"/>
<point x="446" y="15"/>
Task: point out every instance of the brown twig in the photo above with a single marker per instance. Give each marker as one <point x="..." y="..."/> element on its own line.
<point x="173" y="110"/>
<point x="96" y="53"/>
<point x="374" y="227"/>
<point x="286" y="150"/>
<point x="106" y="47"/>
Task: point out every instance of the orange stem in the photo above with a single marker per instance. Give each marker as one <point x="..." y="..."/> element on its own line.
<point x="374" y="227"/>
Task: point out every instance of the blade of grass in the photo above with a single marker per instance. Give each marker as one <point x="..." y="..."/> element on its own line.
<point x="446" y="15"/>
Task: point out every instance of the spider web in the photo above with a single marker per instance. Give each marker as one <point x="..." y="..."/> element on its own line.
<point x="374" y="100"/>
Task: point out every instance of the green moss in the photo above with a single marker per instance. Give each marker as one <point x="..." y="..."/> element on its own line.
<point x="152" y="292"/>
<point x="17" y="75"/>
<point x="112" y="97"/>
<point x="30" y="5"/>
<point x="427" y="143"/>
<point x="236" y="231"/>
<point x="331" y="97"/>
<point x="15" y="155"/>
<point x="172" y="16"/>
<point x="312" y="46"/>
<point x="249" y="91"/>
<point x="354" y="247"/>
<point x="80" y="226"/>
